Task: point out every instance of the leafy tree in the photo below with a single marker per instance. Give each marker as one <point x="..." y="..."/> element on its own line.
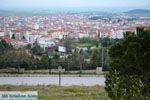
<point x="44" y="61"/>
<point x="106" y="42"/>
<point x="95" y="42"/>
<point x="13" y="36"/>
<point x="55" y="61"/>
<point x="85" y="40"/>
<point x="73" y="61"/>
<point x="36" y="49"/>
<point x="96" y="58"/>
<point x="129" y="73"/>
<point x="4" y="46"/>
<point x="81" y="60"/>
<point x="68" y="44"/>
<point x="28" y="46"/>
<point x="26" y="61"/>
<point x="15" y="59"/>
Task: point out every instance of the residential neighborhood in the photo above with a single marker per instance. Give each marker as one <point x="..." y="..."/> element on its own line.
<point x="45" y="30"/>
<point x="74" y="49"/>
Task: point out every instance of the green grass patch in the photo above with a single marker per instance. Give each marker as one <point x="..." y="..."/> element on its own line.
<point x="53" y="92"/>
<point x="85" y="45"/>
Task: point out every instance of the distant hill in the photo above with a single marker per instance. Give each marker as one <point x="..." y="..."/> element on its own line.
<point x="138" y="11"/>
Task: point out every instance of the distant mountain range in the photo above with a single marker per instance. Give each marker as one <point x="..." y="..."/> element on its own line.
<point x="138" y="11"/>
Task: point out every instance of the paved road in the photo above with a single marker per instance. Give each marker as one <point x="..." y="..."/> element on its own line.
<point x="53" y="80"/>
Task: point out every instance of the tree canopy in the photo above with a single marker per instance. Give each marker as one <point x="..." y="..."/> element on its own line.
<point x="129" y="73"/>
<point x="4" y="46"/>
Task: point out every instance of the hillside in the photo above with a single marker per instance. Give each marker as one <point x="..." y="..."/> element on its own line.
<point x="138" y="11"/>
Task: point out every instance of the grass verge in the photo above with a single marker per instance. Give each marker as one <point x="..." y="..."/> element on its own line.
<point x="52" y="92"/>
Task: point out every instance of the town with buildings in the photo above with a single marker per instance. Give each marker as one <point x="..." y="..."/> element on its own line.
<point x="74" y="49"/>
<point x="48" y="30"/>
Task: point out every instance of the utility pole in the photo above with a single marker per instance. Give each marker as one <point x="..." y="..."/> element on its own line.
<point x="102" y="64"/>
<point x="49" y="66"/>
<point x="18" y="67"/>
<point x="59" y="69"/>
<point x="48" y="59"/>
<point x="18" y="63"/>
<point x="68" y="64"/>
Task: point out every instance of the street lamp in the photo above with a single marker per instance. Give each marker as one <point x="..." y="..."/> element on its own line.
<point x="59" y="69"/>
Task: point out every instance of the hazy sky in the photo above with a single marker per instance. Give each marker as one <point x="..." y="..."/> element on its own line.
<point x="73" y="3"/>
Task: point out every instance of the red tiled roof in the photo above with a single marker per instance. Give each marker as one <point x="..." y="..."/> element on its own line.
<point x="7" y="39"/>
<point x="35" y="33"/>
<point x="103" y="30"/>
<point x="45" y="36"/>
<point x="54" y="30"/>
